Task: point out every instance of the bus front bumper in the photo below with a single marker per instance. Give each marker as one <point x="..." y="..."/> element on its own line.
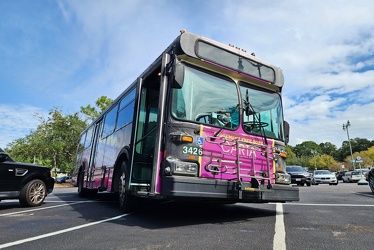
<point x="196" y="188"/>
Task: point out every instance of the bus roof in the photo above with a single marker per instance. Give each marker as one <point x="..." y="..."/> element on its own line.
<point x="229" y="57"/>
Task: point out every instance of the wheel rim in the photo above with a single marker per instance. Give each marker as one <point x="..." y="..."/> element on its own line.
<point x="37" y="193"/>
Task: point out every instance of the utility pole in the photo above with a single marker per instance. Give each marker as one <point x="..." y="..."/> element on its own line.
<point x="345" y="127"/>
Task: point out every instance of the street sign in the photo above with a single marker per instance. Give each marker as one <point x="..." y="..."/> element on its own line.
<point x="358" y="159"/>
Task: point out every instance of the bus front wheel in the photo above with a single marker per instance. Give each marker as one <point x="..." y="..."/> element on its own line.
<point x="126" y="201"/>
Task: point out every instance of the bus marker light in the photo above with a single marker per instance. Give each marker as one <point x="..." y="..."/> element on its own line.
<point x="191" y="157"/>
<point x="187" y="138"/>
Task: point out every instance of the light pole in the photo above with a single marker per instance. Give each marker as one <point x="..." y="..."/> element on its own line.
<point x="345" y="127"/>
<point x="314" y="152"/>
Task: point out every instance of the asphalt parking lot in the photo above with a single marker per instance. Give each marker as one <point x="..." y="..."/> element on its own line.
<point x="326" y="217"/>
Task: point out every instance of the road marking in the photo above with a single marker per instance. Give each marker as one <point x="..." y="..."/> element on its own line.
<point x="43" y="208"/>
<point x="331" y="205"/>
<point x="279" y="242"/>
<point x="18" y="242"/>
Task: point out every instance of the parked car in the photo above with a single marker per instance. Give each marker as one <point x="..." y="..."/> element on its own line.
<point x="356" y="176"/>
<point x="340" y="174"/>
<point x="27" y="182"/>
<point x="299" y="175"/>
<point x="324" y="177"/>
<point x="347" y="176"/>
<point x="63" y="179"/>
<point x="370" y="179"/>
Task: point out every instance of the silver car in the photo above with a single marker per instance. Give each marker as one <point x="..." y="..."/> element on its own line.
<point x="324" y="177"/>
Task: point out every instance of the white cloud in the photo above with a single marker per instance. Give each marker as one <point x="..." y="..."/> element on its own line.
<point x="326" y="50"/>
<point x="17" y="122"/>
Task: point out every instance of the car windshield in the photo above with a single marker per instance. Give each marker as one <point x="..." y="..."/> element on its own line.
<point x="320" y="172"/>
<point x="295" y="169"/>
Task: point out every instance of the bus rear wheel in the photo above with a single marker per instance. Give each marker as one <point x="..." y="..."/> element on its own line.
<point x="82" y="191"/>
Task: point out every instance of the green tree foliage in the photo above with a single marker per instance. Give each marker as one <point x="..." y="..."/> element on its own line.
<point x="54" y="141"/>
<point x="307" y="149"/>
<point x="358" y="145"/>
<point x="52" y="144"/>
<point x="328" y="148"/>
<point x="323" y="162"/>
<point x="92" y="112"/>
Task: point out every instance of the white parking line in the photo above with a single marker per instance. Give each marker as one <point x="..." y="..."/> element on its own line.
<point x="279" y="242"/>
<point x="43" y="208"/>
<point x="331" y="205"/>
<point x="18" y="242"/>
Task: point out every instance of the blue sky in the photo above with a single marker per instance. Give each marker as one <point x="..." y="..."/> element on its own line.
<point x="69" y="53"/>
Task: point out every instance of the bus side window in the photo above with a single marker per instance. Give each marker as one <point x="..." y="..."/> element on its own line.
<point x="110" y="122"/>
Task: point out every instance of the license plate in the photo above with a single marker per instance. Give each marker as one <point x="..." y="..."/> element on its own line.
<point x="298" y="179"/>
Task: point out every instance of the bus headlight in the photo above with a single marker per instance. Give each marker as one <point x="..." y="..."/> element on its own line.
<point x="185" y="168"/>
<point x="282" y="178"/>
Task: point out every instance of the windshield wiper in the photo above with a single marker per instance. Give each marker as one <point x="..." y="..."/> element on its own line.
<point x="249" y="110"/>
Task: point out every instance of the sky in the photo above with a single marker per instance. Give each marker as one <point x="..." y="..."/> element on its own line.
<point x="66" y="54"/>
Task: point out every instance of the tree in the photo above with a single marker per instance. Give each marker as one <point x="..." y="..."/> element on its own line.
<point x="307" y="148"/>
<point x="91" y="112"/>
<point x="323" y="162"/>
<point x="328" y="148"/>
<point x="358" y="145"/>
<point x="52" y="144"/>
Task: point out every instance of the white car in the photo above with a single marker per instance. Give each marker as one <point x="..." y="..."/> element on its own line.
<point x="324" y="177"/>
<point x="347" y="177"/>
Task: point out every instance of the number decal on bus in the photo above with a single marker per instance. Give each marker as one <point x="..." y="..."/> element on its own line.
<point x="192" y="150"/>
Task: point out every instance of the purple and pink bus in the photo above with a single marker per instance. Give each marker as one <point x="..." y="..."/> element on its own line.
<point x="203" y="122"/>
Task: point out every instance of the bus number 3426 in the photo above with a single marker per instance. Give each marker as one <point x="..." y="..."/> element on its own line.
<point x="191" y="150"/>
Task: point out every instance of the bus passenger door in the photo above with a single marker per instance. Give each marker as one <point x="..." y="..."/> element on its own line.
<point x="96" y="154"/>
<point x="145" y="138"/>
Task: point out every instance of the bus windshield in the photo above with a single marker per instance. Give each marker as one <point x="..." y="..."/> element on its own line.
<point x="197" y="99"/>
<point x="264" y="112"/>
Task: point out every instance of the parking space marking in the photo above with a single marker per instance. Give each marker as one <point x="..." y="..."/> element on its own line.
<point x="279" y="242"/>
<point x="332" y="205"/>
<point x="43" y="208"/>
<point x="18" y="242"/>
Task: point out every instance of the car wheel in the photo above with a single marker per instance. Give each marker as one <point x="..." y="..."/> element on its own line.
<point x="337" y="182"/>
<point x="33" y="193"/>
<point x="371" y="183"/>
<point x="308" y="184"/>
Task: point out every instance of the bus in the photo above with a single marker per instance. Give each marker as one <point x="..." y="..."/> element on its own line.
<point x="204" y="122"/>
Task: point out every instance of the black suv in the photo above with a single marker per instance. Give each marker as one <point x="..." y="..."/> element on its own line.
<point x="370" y="179"/>
<point x="299" y="175"/>
<point x="26" y="182"/>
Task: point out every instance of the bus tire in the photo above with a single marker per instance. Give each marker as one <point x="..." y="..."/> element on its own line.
<point x="127" y="203"/>
<point x="82" y="192"/>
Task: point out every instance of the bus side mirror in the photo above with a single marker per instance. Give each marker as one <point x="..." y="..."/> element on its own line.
<point x="286" y="132"/>
<point x="178" y="76"/>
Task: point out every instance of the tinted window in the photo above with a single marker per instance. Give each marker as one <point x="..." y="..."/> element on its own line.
<point x="110" y="121"/>
<point x="87" y="143"/>
<point x="125" y="116"/>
